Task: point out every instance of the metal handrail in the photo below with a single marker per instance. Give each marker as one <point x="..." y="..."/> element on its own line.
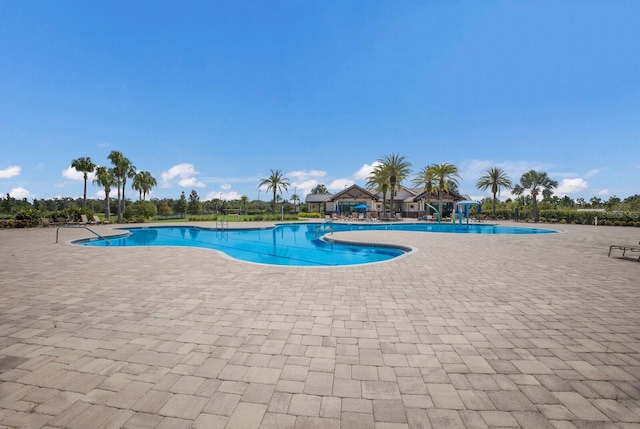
<point x="80" y="226"/>
<point x="224" y="222"/>
<point x="323" y="228"/>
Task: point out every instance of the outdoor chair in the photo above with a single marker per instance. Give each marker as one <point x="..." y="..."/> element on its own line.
<point x="83" y="221"/>
<point x="625" y="247"/>
<point x="46" y="223"/>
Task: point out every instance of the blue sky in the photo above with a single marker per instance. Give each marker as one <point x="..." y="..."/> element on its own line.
<point x="212" y="95"/>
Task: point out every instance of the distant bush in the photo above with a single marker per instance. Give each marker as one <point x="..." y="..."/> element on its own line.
<point x="140" y="211"/>
<point x="588" y="217"/>
<point x="311" y="215"/>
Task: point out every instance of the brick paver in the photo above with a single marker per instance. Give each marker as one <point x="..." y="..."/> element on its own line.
<point x="468" y="331"/>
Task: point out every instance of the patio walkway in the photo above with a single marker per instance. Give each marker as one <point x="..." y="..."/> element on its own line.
<point x="469" y="331"/>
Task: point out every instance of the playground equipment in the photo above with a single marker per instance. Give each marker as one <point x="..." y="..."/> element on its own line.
<point x="435" y="210"/>
<point x="464" y="205"/>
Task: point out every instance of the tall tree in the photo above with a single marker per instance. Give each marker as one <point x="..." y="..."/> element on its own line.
<point x="121" y="168"/>
<point x="379" y="181"/>
<point x="194" y="205"/>
<point x="320" y="189"/>
<point x="495" y="179"/>
<point x="105" y="178"/>
<point x="143" y="182"/>
<point x="85" y="166"/>
<point x="397" y="169"/>
<point x="536" y="182"/>
<point x="276" y="182"/>
<point x="427" y="180"/>
<point x="446" y="175"/>
<point x="181" y="204"/>
<point x="130" y="173"/>
<point x="244" y="202"/>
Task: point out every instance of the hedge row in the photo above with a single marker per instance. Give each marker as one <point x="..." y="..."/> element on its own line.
<point x="574" y="217"/>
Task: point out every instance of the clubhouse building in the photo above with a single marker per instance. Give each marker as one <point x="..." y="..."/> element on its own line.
<point x="407" y="203"/>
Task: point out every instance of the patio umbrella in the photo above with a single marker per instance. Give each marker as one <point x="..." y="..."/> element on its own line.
<point x="362" y="207"/>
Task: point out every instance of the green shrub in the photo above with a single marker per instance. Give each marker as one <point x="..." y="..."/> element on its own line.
<point x="26" y="218"/>
<point x="140" y="211"/>
<point x="310" y="215"/>
<point x="589" y="218"/>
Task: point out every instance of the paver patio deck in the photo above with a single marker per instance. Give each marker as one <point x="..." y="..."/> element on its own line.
<point x="468" y="331"/>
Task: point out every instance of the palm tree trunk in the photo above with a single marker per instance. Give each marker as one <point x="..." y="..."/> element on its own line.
<point x="494" y="205"/>
<point x="274" y="201"/>
<point x="119" y="208"/>
<point x="84" y="201"/>
<point x="107" y="208"/>
<point x="124" y="183"/>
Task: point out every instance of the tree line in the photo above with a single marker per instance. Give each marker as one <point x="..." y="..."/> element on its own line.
<point x="387" y="177"/>
<point x="122" y="169"/>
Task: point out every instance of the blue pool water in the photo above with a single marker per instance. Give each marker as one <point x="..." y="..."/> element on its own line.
<point x="291" y="244"/>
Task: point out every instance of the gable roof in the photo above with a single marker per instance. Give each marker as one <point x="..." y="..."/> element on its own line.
<point x="317" y="198"/>
<point x="448" y="196"/>
<point x="354" y="192"/>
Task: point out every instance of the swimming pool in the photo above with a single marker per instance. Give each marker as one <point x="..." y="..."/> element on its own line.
<point x="298" y="244"/>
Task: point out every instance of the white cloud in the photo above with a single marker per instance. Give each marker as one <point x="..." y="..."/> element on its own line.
<point x="20" y="193"/>
<point x="190" y="182"/>
<point x="226" y="196"/>
<point x="300" y="175"/>
<point x="73" y="174"/>
<point x="11" y="171"/>
<point x="593" y="172"/>
<point x="339" y="185"/>
<point x="571" y="186"/>
<point x="475" y="168"/>
<point x="303" y="188"/>
<point x="365" y="171"/>
<point x="603" y="192"/>
<point x="185" y="173"/>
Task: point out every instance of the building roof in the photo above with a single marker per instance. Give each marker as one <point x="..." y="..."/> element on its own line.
<point x="404" y="194"/>
<point x="354" y="192"/>
<point x="317" y="198"/>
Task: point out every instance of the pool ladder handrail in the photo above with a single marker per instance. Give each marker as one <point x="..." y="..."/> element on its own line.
<point x="223" y="223"/>
<point x="324" y="227"/>
<point x="80" y="226"/>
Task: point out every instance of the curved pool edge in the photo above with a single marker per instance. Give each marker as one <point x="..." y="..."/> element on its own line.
<point x="121" y="231"/>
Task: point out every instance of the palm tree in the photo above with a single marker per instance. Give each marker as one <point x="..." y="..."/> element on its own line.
<point x="320" y="189"/>
<point x="85" y="166"/>
<point x="136" y="184"/>
<point x="296" y="201"/>
<point x="426" y="179"/>
<point x="276" y="183"/>
<point x="121" y="169"/>
<point x="130" y="172"/>
<point x="143" y="182"/>
<point x="397" y="169"/>
<point x="495" y="178"/>
<point x="379" y="180"/>
<point x="535" y="182"/>
<point x="244" y="202"/>
<point x="105" y="178"/>
<point x="446" y="176"/>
